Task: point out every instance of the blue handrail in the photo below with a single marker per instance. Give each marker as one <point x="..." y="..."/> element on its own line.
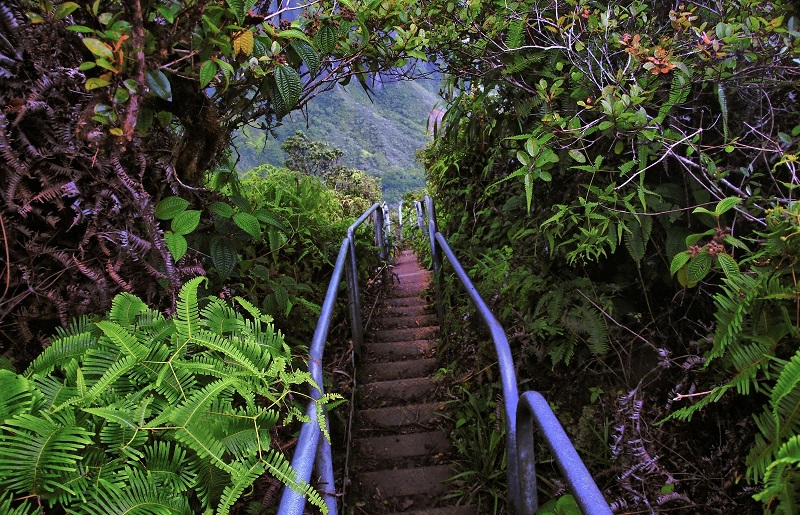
<point x="313" y="450"/>
<point x="521" y="414"/>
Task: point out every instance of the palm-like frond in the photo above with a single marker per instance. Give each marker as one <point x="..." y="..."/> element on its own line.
<point x="187" y="315"/>
<point x="38" y="451"/>
<point x="16" y="395"/>
<point x="140" y="495"/>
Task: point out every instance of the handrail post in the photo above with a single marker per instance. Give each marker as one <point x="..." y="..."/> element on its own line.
<point x="420" y="216"/>
<point x="436" y="257"/>
<point x="353" y="300"/>
<point x="380" y="237"/>
<point x="533" y="411"/>
<point x="400" y="221"/>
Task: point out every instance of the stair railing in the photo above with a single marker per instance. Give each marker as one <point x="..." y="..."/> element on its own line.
<point x="522" y="414"/>
<point x="313" y="451"/>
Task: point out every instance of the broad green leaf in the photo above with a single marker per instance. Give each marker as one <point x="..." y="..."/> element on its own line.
<point x="726" y="205"/>
<point x="698" y="267"/>
<point x="95" y="82"/>
<point x="83" y="29"/>
<point x="248" y="223"/>
<point x="222" y="209"/>
<point x="186" y="221"/>
<point x="176" y="244"/>
<point x="208" y="70"/>
<point x="223" y="254"/>
<point x="159" y="84"/>
<point x="308" y="55"/>
<point x="678" y="261"/>
<point x="289" y="85"/>
<point x="64" y="10"/>
<point x="98" y="48"/>
<point x="728" y="265"/>
<point x="170" y="207"/>
<point x="293" y="34"/>
<point x="326" y="39"/>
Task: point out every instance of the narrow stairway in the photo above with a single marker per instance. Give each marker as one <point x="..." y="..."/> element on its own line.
<point x="401" y="447"/>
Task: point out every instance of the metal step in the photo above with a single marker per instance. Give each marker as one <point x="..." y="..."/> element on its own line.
<point x="407" y="482"/>
<point x="398" y="351"/>
<point x="397" y="391"/>
<point x="397" y="417"/>
<point x="403" y="446"/>
<point x="372" y="372"/>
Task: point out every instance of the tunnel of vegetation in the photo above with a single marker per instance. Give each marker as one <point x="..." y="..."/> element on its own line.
<point x="620" y="173"/>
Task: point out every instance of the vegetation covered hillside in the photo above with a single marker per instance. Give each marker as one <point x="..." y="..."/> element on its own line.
<point x="379" y="132"/>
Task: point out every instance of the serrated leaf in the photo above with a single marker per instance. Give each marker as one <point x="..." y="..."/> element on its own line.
<point x="208" y="71"/>
<point x="326" y="39"/>
<point x="698" y="268"/>
<point x="223" y="254"/>
<point x="678" y="261"/>
<point x="289" y="85"/>
<point x="186" y="221"/>
<point x="308" y="55"/>
<point x="222" y="209"/>
<point x="64" y="10"/>
<point x="170" y="207"/>
<point x="248" y="223"/>
<point x="159" y="84"/>
<point x="728" y="265"/>
<point x="176" y="244"/>
<point x="726" y="205"/>
<point x="98" y="48"/>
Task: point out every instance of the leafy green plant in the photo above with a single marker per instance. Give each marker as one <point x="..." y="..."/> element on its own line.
<point x="137" y="411"/>
<point x="478" y="438"/>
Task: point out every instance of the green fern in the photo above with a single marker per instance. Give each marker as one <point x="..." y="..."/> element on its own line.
<point x="141" y="413"/>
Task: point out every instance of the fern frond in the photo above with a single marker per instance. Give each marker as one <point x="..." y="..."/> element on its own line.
<point x="225" y="347"/>
<point x="244" y="476"/>
<point x="782" y="476"/>
<point x="191" y="430"/>
<point x="175" y="381"/>
<point x="55" y="392"/>
<point x="139" y="495"/>
<point x="125" y="308"/>
<point x="734" y="300"/>
<point x="687" y="412"/>
<point x="169" y="467"/>
<point x="16" y="395"/>
<point x="122" y="339"/>
<point x="67" y="348"/>
<point x="117" y="370"/>
<point x="281" y="469"/>
<point x="187" y="315"/>
<point x="38" y="452"/>
<point x="8" y="507"/>
<point x="211" y="482"/>
<point x="749" y="360"/>
<point x="220" y="318"/>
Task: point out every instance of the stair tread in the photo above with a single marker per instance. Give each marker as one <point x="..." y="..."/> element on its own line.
<point x="399" y="417"/>
<point x="403" y="445"/>
<point x="396" y="390"/>
<point x="403" y="334"/>
<point x="402" y="321"/>
<point x="446" y="510"/>
<point x="406" y="482"/>
<point x="387" y="371"/>
<point x="398" y="351"/>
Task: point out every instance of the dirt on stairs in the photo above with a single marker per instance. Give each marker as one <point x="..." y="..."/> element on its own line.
<point x="401" y="444"/>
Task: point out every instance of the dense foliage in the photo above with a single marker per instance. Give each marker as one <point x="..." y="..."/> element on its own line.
<point x="139" y="412"/>
<point x="112" y="107"/>
<point x="622" y="175"/>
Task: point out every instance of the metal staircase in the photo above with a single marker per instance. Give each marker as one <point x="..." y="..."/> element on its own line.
<point x="398" y="439"/>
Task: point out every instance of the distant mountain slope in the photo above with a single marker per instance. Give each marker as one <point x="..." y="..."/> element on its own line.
<point x="379" y="134"/>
